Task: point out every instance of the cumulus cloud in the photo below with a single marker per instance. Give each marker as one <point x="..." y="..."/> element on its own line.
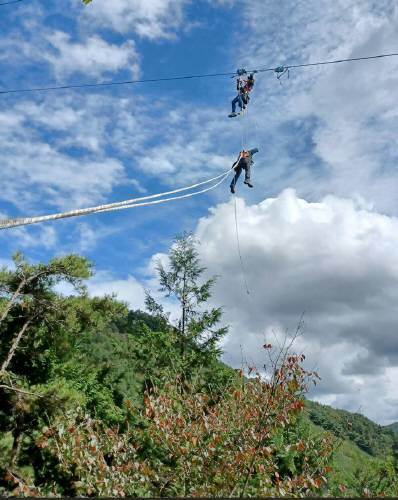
<point x="59" y="180"/>
<point x="334" y="260"/>
<point x="74" y="168"/>
<point x="196" y="145"/>
<point x="93" y="57"/>
<point x="155" y="19"/>
<point x="43" y="237"/>
<point x="127" y="290"/>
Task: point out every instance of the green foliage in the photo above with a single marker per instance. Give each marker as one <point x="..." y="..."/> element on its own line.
<point x="374" y="439"/>
<point x="370" y="477"/>
<point x="190" y="443"/>
<point x="393" y="427"/>
<point x="182" y="281"/>
<point x="99" y="400"/>
<point x="28" y="303"/>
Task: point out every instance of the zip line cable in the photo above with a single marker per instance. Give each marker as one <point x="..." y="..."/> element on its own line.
<point x="110" y="84"/>
<point x="132" y="203"/>
<point x="187" y="77"/>
<point x="337" y="61"/>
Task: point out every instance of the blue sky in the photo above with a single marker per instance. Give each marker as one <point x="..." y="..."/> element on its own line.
<point x="319" y="229"/>
<point x="184" y="53"/>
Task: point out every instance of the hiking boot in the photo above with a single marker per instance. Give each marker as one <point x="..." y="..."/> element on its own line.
<point x="232" y="189"/>
<point x="232" y="115"/>
<point x="248" y="183"/>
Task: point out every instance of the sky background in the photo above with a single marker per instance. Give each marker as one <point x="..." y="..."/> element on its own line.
<point x="319" y="232"/>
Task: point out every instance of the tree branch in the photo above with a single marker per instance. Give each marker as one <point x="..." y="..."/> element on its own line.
<point x="17" y="293"/>
<point x="15" y="345"/>
<point x="12" y="301"/>
<point x="15" y="389"/>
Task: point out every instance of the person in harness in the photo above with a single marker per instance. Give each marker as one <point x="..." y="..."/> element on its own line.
<point x="244" y="162"/>
<point x="244" y="87"/>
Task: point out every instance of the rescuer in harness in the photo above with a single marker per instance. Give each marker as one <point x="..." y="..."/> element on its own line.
<point x="244" y="87"/>
<point x="244" y="162"/>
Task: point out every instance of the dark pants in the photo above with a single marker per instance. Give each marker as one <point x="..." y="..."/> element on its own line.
<point x="238" y="171"/>
<point x="237" y="100"/>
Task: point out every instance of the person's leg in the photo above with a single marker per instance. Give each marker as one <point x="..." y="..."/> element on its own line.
<point x="247" y="175"/>
<point x="238" y="171"/>
<point x="247" y="172"/>
<point x="240" y="101"/>
<point x="234" y="103"/>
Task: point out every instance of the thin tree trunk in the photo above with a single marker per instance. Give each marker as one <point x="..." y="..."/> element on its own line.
<point x="14" y="346"/>
<point x="12" y="301"/>
<point x="183" y="318"/>
<point x="17" y="292"/>
<point x="16" y="447"/>
<point x="183" y="332"/>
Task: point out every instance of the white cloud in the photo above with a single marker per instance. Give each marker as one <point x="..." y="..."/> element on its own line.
<point x="71" y="167"/>
<point x="38" y="237"/>
<point x="152" y="19"/>
<point x="41" y="173"/>
<point x="93" y="57"/>
<point x="7" y="263"/>
<point x="127" y="290"/>
<point x="89" y="235"/>
<point x="334" y="260"/>
<point x="196" y="145"/>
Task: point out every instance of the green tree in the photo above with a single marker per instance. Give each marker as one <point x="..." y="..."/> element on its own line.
<point x="182" y="281"/>
<point x="246" y="443"/>
<point x="27" y="299"/>
<point x="28" y="305"/>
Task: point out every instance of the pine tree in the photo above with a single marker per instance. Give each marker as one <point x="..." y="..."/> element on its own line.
<point x="182" y="280"/>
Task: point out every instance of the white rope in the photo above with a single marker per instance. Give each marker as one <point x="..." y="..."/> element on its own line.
<point x="163" y="200"/>
<point x="242" y="266"/>
<point x="242" y="112"/>
<point x="9" y="223"/>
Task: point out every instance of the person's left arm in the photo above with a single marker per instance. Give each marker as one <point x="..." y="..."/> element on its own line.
<point x="253" y="151"/>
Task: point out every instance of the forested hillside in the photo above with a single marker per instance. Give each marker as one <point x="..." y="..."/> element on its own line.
<point x="97" y="400"/>
<point x="393" y="427"/>
<point x="374" y="439"/>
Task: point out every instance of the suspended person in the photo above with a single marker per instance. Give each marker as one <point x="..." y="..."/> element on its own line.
<point x="244" y="162"/>
<point x="244" y="87"/>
